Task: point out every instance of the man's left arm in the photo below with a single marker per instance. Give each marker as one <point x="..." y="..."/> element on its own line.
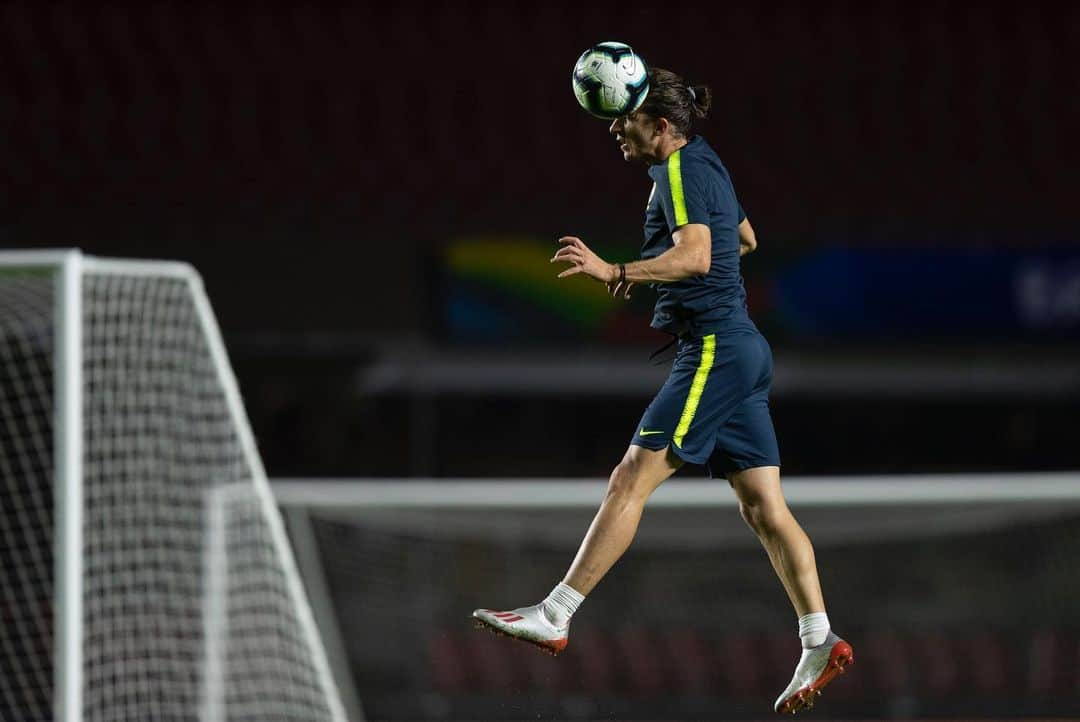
<point x="690" y="256"/>
<point x="683" y="196"/>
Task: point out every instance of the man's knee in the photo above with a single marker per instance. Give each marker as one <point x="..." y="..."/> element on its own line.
<point x="765" y="517"/>
<point x="625" y="479"/>
<point x="638" y="474"/>
<point x="761" y="503"/>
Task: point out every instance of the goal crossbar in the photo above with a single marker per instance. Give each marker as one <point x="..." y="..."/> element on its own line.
<point x="819" y="491"/>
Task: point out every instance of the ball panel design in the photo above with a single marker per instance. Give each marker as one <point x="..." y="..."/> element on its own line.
<point x="610" y="80"/>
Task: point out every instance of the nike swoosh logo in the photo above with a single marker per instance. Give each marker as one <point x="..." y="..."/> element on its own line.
<point x="643" y="432"/>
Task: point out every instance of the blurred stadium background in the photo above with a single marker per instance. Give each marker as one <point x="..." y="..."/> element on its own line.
<point x="371" y="193"/>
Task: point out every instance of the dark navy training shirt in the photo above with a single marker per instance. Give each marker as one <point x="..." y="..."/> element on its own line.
<point x="693" y="186"/>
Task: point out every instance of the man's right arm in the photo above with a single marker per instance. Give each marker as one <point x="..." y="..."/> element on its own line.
<point x="747" y="239"/>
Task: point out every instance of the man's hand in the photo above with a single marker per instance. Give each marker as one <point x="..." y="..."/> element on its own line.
<point x="747" y="237"/>
<point x="583" y="260"/>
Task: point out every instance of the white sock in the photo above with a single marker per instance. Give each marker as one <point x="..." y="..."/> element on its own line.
<point x="561" y="604"/>
<point x="813" y="629"/>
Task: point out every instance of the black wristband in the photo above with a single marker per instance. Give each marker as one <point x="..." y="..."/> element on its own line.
<point x="622" y="273"/>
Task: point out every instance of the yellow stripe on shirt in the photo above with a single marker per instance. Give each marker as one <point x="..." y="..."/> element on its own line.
<point x="674" y="171"/>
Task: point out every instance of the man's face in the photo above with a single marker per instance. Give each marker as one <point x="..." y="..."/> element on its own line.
<point x="636" y="135"/>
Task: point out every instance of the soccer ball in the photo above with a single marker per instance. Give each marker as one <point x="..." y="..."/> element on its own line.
<point x="610" y="80"/>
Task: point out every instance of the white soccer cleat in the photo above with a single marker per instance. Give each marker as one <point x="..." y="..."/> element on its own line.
<point x="817" y="667"/>
<point x="528" y="624"/>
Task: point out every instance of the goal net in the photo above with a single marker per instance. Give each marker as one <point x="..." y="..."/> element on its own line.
<point x="959" y="593"/>
<point x="144" y="571"/>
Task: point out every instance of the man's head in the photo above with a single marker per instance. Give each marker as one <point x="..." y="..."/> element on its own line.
<point x="664" y="121"/>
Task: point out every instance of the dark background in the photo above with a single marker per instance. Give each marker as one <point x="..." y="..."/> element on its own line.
<point x="320" y="163"/>
<point x="314" y="162"/>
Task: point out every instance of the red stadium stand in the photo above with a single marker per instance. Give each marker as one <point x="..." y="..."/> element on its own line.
<point x="447" y="664"/>
<point x="940" y="663"/>
<point x="884" y="663"/>
<point x="691" y="660"/>
<point x="643" y="667"/>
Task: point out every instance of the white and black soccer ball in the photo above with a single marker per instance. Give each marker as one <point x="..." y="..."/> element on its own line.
<point x="610" y="80"/>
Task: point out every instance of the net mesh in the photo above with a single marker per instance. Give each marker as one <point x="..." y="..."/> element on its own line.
<point x="260" y="650"/>
<point x="183" y="618"/>
<point x="963" y="610"/>
<point x="26" y="499"/>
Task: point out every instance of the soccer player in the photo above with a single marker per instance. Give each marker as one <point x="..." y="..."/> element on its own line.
<point x="713" y="408"/>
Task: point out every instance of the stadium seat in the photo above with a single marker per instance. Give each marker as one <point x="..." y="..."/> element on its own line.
<point x="939" y="662"/>
<point x="597" y="660"/>
<point x="689" y="655"/>
<point x="884" y="666"/>
<point x="989" y="663"/>
<point x="739" y="664"/>
<point x="494" y="663"/>
<point x="643" y="674"/>
<point x="445" y="662"/>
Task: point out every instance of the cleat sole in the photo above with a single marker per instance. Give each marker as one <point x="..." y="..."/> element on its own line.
<point x="552" y="648"/>
<point x="840" y="658"/>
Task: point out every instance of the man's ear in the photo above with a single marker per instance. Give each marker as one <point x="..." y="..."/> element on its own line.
<point x="661" y="126"/>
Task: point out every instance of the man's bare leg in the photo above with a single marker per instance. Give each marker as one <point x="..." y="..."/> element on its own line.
<point x="824" y="654"/>
<point x="631" y="483"/>
<point x="613" y="528"/>
<point x="762" y="505"/>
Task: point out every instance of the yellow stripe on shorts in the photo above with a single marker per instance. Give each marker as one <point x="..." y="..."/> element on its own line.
<point x="697" y="388"/>
<point x="678" y="200"/>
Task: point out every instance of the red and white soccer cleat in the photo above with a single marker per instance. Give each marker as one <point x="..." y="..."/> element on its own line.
<point x="528" y="624"/>
<point x="817" y="667"/>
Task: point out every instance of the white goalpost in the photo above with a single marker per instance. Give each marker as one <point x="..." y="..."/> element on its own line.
<point x="145" y="571"/>
<point x="683" y="513"/>
<point x="146" y="574"/>
<point x="955" y="565"/>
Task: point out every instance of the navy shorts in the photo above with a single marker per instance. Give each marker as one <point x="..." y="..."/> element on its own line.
<point x="714" y="407"/>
